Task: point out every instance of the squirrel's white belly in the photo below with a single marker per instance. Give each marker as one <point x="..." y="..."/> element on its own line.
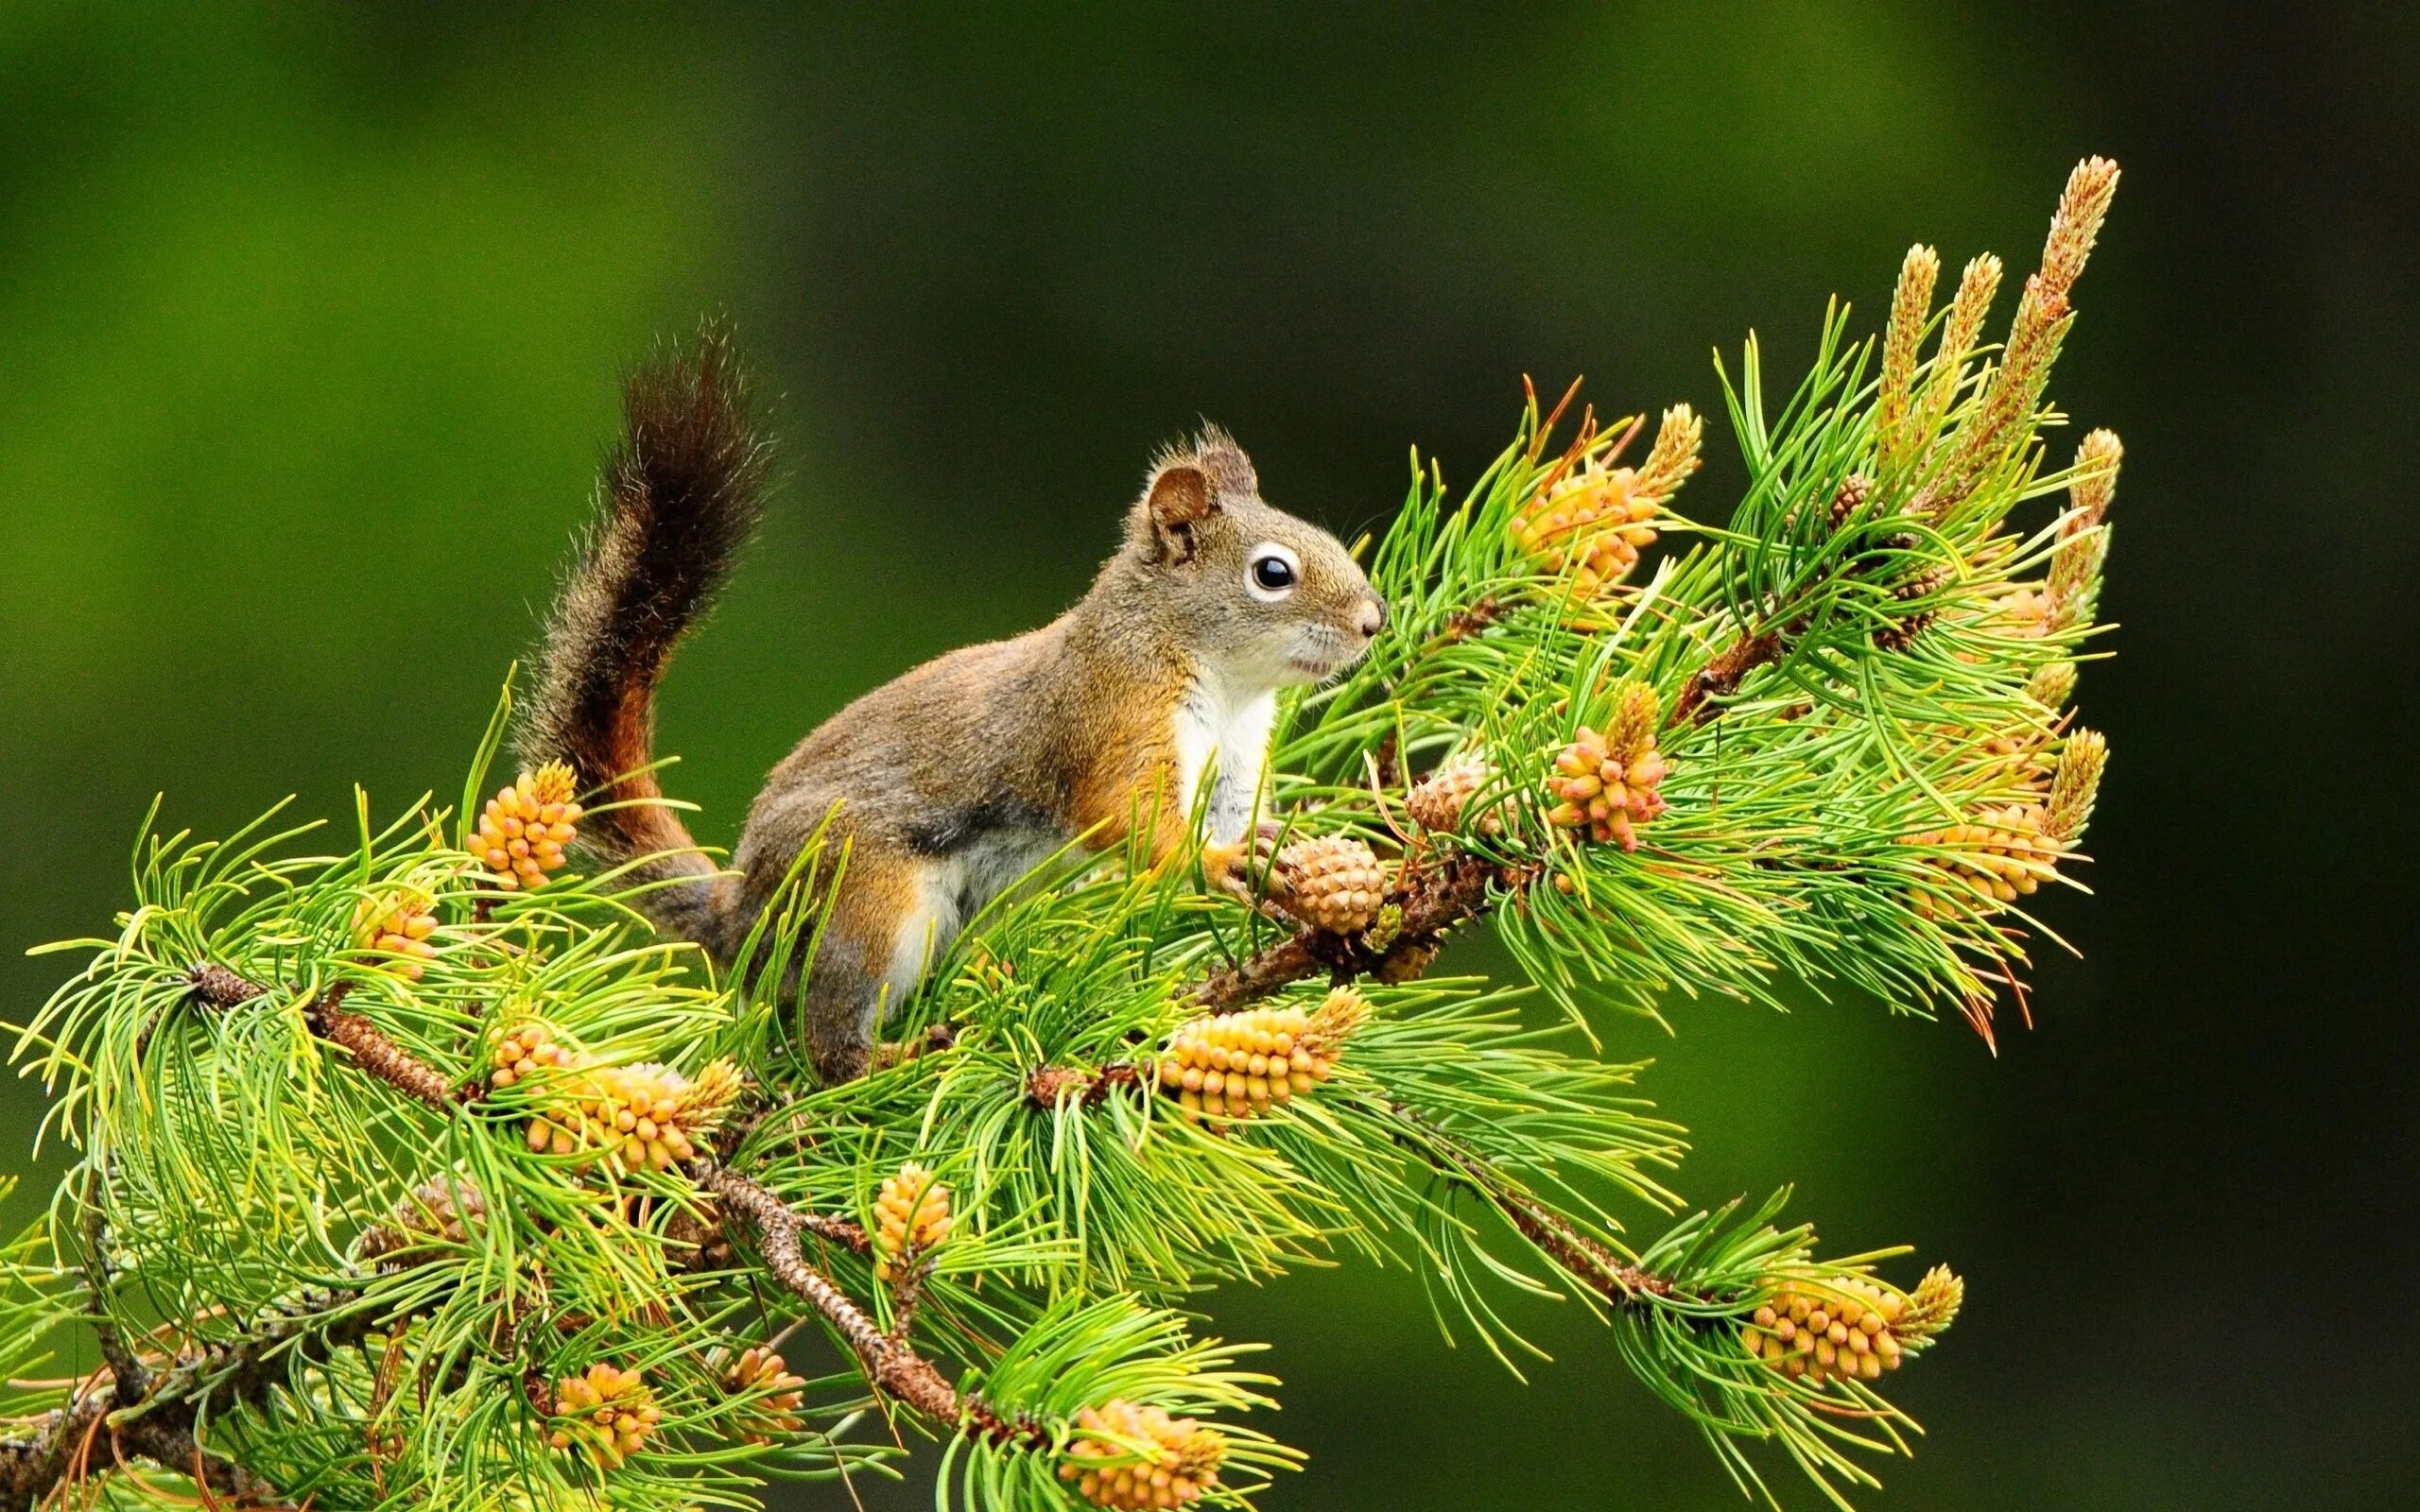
<point x="952" y="890"/>
<point x="1223" y="732"/>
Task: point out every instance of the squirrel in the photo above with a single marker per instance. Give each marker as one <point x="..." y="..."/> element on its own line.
<point x="951" y="782"/>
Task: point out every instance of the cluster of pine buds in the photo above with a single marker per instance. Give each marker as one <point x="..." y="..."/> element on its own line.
<point x="2075" y="566"/>
<point x="1333" y="882"/>
<point x="2065" y="596"/>
<point x="1847" y="1328"/>
<point x="2008" y="850"/>
<point x="2027" y="612"/>
<point x="526" y="1052"/>
<point x="1612" y="782"/>
<point x="525" y="827"/>
<point x="641" y="1117"/>
<point x="1436" y="803"/>
<point x="2053" y="684"/>
<point x="2000" y="855"/>
<point x="1837" y="1328"/>
<point x="608" y="1412"/>
<point x="1237" y="1065"/>
<point x="397" y="925"/>
<point x="775" y="1413"/>
<point x="912" y="1218"/>
<point x="1594" y="521"/>
<point x="1133" y="1457"/>
<point x="646" y="1116"/>
<point x="437" y="1212"/>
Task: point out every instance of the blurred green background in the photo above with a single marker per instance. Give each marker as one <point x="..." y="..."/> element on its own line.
<point x="309" y="323"/>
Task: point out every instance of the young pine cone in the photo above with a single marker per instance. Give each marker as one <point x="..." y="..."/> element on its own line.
<point x="1133" y="1457"/>
<point x="1900" y="634"/>
<point x="912" y="1217"/>
<point x="609" y="1412"/>
<point x="775" y="1414"/>
<point x="1237" y="1065"/>
<point x="695" y="1243"/>
<point x="1406" y="962"/>
<point x="435" y="1212"/>
<point x="1333" y="882"/>
<point x="1611" y="784"/>
<point x="1437" y="805"/>
<point x="1845" y="1328"/>
<point x="397" y="926"/>
<point x="525" y="827"/>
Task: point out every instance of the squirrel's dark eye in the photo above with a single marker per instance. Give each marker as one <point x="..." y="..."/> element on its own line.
<point x="1271" y="571"/>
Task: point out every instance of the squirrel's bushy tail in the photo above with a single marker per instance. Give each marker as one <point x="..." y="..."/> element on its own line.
<point x="679" y="496"/>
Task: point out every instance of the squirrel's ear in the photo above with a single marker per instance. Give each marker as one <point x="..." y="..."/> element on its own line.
<point x="1180" y="497"/>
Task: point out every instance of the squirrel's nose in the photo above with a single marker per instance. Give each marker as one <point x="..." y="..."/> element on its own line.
<point x="1373" y="617"/>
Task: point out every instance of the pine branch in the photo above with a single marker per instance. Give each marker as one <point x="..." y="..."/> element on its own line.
<point x="1721" y="677"/>
<point x="1585" y="1259"/>
<point x="158" y="1419"/>
<point x="889" y="1362"/>
<point x="1434" y="896"/>
<point x="1078" y="1119"/>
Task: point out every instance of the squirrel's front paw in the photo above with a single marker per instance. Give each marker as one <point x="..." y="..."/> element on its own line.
<point x="1221" y="861"/>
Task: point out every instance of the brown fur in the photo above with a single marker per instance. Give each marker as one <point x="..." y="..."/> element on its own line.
<point x="946" y="783"/>
<point x="678" y="498"/>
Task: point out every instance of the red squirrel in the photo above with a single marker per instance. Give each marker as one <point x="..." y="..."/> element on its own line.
<point x="950" y="782"/>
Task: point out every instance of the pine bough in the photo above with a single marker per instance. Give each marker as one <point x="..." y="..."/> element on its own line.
<point x="407" y="1177"/>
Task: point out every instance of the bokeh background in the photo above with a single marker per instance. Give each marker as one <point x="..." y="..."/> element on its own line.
<point x="309" y="323"/>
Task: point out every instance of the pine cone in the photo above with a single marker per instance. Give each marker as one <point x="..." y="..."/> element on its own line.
<point x="775" y="1414"/>
<point x="911" y="1217"/>
<point x="1176" y="1459"/>
<point x="1332" y="883"/>
<point x="1847" y="1328"/>
<point x="1611" y="784"/>
<point x="1237" y="1065"/>
<point x="1850" y="497"/>
<point x="1901" y="634"/>
<point x="1437" y="804"/>
<point x="608" y="1412"/>
<point x="398" y="925"/>
<point x="440" y="1211"/>
<point x="525" y="827"/>
<point x="695" y="1242"/>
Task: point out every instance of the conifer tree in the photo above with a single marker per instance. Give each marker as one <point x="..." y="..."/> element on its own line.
<point x="412" y="1170"/>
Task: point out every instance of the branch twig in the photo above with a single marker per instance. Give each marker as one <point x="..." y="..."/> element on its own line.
<point x="1434" y="895"/>
<point x="891" y="1362"/>
<point x="1581" y="1257"/>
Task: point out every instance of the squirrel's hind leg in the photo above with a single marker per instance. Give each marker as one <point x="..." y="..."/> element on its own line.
<point x="890" y="919"/>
